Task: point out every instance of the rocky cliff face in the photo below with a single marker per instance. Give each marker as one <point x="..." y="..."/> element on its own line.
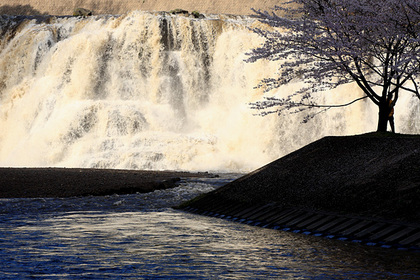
<point x="60" y="7"/>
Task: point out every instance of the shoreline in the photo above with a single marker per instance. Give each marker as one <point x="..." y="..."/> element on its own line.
<point x="29" y="182"/>
<point x="361" y="188"/>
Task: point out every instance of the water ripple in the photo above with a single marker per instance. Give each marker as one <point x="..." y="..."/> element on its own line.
<point x="139" y="237"/>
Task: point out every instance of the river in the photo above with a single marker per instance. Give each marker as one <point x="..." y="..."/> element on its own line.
<point x="154" y="91"/>
<point x="140" y="236"/>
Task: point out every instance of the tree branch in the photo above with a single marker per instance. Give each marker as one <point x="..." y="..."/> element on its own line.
<point x="330" y="106"/>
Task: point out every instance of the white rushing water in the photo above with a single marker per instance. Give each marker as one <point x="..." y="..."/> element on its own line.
<point x="153" y="91"/>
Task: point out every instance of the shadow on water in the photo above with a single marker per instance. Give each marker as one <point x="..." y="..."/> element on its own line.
<point x="138" y="236"/>
<point x="171" y="244"/>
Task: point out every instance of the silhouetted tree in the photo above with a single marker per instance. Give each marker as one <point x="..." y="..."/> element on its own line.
<point x="328" y="43"/>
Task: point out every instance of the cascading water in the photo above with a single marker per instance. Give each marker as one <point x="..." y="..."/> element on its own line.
<point x="152" y="91"/>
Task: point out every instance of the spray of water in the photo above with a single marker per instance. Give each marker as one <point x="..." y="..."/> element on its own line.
<point x="152" y="91"/>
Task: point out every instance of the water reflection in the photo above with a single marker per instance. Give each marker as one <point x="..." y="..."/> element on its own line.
<point x="140" y="237"/>
<point x="168" y="244"/>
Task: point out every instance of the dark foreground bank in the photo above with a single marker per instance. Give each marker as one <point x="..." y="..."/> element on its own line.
<point x="364" y="187"/>
<point x="68" y="182"/>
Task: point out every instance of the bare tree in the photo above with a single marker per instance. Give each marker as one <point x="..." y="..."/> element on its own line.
<point x="328" y="43"/>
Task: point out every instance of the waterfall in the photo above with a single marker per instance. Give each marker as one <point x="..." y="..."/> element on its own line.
<point x="152" y="91"/>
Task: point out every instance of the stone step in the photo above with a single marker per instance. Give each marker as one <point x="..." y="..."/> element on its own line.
<point x="369" y="230"/>
<point x="300" y="219"/>
<point x="281" y="213"/>
<point x="412" y="239"/>
<point x="334" y="222"/>
<point x="283" y="219"/>
<point x="390" y="229"/>
<point x="344" y="225"/>
<point x="356" y="228"/>
<point x="330" y="225"/>
<point x="400" y="234"/>
<point x="309" y="221"/>
<point x="323" y="221"/>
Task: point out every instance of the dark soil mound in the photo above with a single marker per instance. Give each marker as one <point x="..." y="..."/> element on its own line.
<point x="376" y="175"/>
<point x="67" y="182"/>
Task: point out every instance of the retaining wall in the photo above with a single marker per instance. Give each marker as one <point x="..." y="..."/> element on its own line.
<point x="60" y="7"/>
<point x="331" y="225"/>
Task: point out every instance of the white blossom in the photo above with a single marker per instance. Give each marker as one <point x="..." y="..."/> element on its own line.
<point x="327" y="43"/>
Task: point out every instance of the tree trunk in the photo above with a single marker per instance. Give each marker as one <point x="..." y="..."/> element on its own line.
<point x="383" y="117"/>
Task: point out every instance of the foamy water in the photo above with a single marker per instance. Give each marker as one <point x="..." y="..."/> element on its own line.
<point x="153" y="91"/>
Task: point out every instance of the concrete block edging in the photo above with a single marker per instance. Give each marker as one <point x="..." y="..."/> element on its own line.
<point x="363" y="230"/>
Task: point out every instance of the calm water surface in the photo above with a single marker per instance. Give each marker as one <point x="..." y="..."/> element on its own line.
<point x="140" y="237"/>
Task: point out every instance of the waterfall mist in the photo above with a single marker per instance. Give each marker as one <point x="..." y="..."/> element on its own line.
<point x="153" y="91"/>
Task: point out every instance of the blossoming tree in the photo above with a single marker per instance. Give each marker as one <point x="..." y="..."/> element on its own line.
<point x="328" y="43"/>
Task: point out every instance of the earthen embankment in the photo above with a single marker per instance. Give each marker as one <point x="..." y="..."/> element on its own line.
<point x="70" y="182"/>
<point x="363" y="188"/>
